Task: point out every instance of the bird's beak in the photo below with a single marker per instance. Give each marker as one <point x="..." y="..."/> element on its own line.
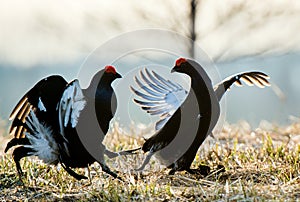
<point x="118" y="76"/>
<point x="173" y="69"/>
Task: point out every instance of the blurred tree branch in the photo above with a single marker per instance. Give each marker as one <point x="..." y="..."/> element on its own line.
<point x="193" y="35"/>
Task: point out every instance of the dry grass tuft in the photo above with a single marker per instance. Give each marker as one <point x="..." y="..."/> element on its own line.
<point x="261" y="164"/>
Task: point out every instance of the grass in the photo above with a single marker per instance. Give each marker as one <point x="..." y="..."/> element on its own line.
<point x="261" y="164"/>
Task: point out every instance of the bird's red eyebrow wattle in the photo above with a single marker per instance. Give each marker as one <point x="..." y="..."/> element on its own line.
<point x="110" y="69"/>
<point x="180" y="61"/>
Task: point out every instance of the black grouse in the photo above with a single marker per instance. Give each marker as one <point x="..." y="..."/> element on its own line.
<point x="57" y="121"/>
<point x="186" y="118"/>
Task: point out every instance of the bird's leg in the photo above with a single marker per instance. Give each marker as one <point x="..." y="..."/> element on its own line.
<point x="18" y="154"/>
<point x="191" y="171"/>
<point x="146" y="161"/>
<point x="172" y="171"/>
<point x="129" y="152"/>
<point x="212" y="135"/>
<point x="202" y="170"/>
<point x="106" y="169"/>
<point x="111" y="154"/>
<point x="174" y="168"/>
<point x="88" y="173"/>
<point x="71" y="172"/>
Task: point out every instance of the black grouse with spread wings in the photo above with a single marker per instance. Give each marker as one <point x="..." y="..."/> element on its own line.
<point x="186" y="118"/>
<point x="53" y="119"/>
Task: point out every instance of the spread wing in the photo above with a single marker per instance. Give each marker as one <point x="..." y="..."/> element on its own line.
<point x="42" y="99"/>
<point x="159" y="96"/>
<point x="250" y="78"/>
<point x="71" y="104"/>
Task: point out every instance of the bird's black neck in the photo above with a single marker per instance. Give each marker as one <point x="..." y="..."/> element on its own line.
<point x="99" y="94"/>
<point x="200" y="83"/>
<point x="103" y="105"/>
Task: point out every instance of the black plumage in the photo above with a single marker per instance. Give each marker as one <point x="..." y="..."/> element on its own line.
<point x="54" y="118"/>
<point x="184" y="124"/>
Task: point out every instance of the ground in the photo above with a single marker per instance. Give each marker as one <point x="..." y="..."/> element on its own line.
<point x="260" y="164"/>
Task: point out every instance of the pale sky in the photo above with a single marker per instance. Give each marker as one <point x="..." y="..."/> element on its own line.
<point x="60" y="34"/>
<point x="43" y="32"/>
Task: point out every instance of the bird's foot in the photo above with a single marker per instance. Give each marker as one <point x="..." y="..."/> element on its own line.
<point x="140" y="169"/>
<point x="106" y="169"/>
<point x="172" y="172"/>
<point x="220" y="169"/>
<point x="111" y="154"/>
<point x="201" y="170"/>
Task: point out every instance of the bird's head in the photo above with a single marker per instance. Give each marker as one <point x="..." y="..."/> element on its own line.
<point x="104" y="78"/>
<point x="110" y="72"/>
<point x="181" y="65"/>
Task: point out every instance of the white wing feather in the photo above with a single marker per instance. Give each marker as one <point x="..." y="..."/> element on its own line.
<point x="70" y="106"/>
<point x="159" y="95"/>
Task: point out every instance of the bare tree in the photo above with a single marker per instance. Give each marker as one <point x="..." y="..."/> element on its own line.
<point x="185" y="23"/>
<point x="193" y="34"/>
